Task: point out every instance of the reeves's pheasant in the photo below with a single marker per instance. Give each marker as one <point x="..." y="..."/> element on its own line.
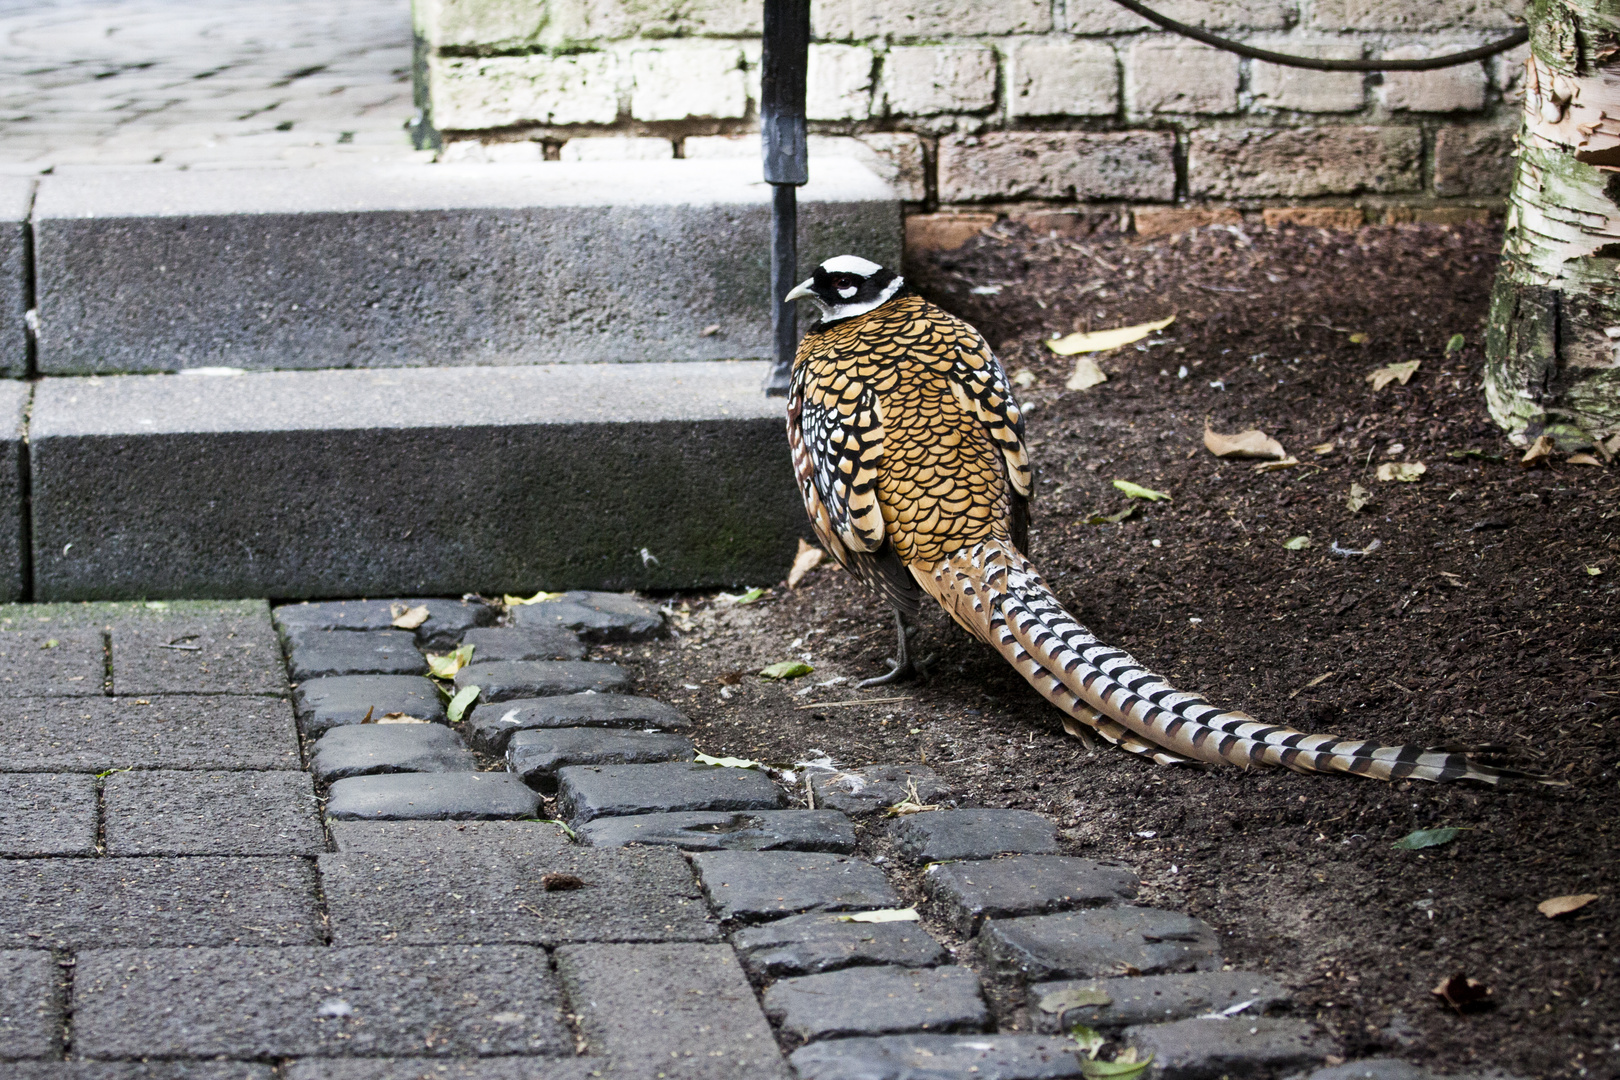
<point x="910" y="455"/>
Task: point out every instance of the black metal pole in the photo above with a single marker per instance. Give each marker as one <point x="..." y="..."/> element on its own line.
<point x="784" y="66"/>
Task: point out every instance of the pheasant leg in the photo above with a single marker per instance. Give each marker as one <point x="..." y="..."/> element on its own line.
<point x="901" y="667"/>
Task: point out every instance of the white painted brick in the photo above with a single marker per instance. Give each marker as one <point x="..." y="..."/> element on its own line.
<point x="925" y="80"/>
<point x="511" y="24"/>
<point x="1412" y="15"/>
<point x="471" y="150"/>
<point x="469" y="94"/>
<point x="1107" y="17"/>
<point x="1001" y="165"/>
<point x="1452" y="89"/>
<point x="1302" y="90"/>
<point x="682" y="79"/>
<point x="896" y="157"/>
<point x="840" y="82"/>
<point x="1180" y="77"/>
<point x="616" y="148"/>
<point x="1062" y="78"/>
<point x="859" y="20"/>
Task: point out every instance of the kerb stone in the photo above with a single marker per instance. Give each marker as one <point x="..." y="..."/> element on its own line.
<point x="900" y="1057"/>
<point x="552" y="897"/>
<point x="465" y="264"/>
<point x="302" y="1002"/>
<point x="585" y="792"/>
<point x="367" y="749"/>
<point x="509" y="680"/>
<point x="537" y="755"/>
<point x="816" y="942"/>
<point x="685" y="1011"/>
<point x="455" y="837"/>
<point x="512" y="475"/>
<point x="452" y="796"/>
<point x="492" y="725"/>
<point x="1103" y="941"/>
<point x="877" y="1001"/>
<point x="14" y="399"/>
<point x="1023" y="885"/>
<point x="1055" y="1007"/>
<point x="937" y="835"/>
<point x="748" y="886"/>
<point x="758" y="830"/>
<point x="1210" y="1049"/>
<point x="503" y="1068"/>
<point x="47" y="814"/>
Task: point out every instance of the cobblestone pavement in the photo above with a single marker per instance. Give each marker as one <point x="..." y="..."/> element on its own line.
<point x="187" y="84"/>
<point x="210" y="871"/>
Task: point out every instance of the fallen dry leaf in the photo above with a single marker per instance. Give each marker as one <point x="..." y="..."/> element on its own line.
<point x="808" y="558"/>
<point x="882" y="915"/>
<point x="1359" y="497"/>
<point x="1024" y="378"/>
<point x="1086" y="375"/>
<point x="400" y="718"/>
<point x="1406" y="472"/>
<point x="1393" y="373"/>
<point x="1322" y="449"/>
<point x="1103" y="340"/>
<point x="1250" y="443"/>
<point x="408" y="618"/>
<point x="1584" y="459"/>
<point x="1272" y="466"/>
<point x="538" y="598"/>
<point x="561" y="882"/>
<point x="1563" y="905"/>
<point x="1539" y="450"/>
<point x="1462" y="993"/>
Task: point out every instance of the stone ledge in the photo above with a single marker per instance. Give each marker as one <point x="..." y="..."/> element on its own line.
<point x="410" y="482"/>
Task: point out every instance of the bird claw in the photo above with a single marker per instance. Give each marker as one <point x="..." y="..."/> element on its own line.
<point x="900" y="672"/>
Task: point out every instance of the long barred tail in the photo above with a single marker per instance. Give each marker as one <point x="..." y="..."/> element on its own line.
<point x="994" y="591"/>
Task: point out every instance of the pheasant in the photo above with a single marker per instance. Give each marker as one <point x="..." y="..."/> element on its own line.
<point x="910" y="456"/>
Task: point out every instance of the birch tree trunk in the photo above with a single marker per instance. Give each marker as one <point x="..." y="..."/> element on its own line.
<point x="1552" y="345"/>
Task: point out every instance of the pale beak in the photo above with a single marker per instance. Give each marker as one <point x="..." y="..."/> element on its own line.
<point x="801" y="291"/>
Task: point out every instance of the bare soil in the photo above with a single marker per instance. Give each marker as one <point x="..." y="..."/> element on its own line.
<point x="1483" y="617"/>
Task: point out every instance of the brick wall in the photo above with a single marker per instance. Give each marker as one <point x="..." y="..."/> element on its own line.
<point x="982" y="104"/>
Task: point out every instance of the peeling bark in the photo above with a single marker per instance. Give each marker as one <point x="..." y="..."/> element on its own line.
<point x="1553" y="341"/>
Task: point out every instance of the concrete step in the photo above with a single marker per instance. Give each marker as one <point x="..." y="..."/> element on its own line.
<point x="406" y="265"/>
<point x="407" y="482"/>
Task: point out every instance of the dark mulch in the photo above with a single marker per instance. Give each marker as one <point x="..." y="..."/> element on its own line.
<point x="1478" y="620"/>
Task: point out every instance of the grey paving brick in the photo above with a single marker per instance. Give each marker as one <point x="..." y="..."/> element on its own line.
<point x="685" y="1011"/>
<point x="877" y="1001"/>
<point x="312" y="654"/>
<point x="924" y="1057"/>
<point x="139" y="1070"/>
<point x="1210" y="1049"/>
<point x="47" y="814"/>
<point x="456" y="796"/>
<point x="332" y="702"/>
<point x="30" y="1005"/>
<point x="642" y="894"/>
<point x="458" y="837"/>
<point x="501" y="1068"/>
<point x="366" y="749"/>
<point x="1103" y="941"/>
<point x="297" y="1002"/>
<point x="1149" y="999"/>
<point x="756" y="830"/>
<point x="537" y="755"/>
<point x="820" y="941"/>
<point x="873" y="789"/>
<point x="490" y="726"/>
<point x="519" y="643"/>
<point x="1023" y="885"/>
<point x="181" y="651"/>
<point x="447" y="620"/>
<point x="511" y="680"/>
<point x="594" y="616"/>
<point x="51" y="662"/>
<point x="754" y="885"/>
<point x="181" y="732"/>
<point x="160" y="812"/>
<point x="585" y="792"/>
<point x="937" y="835"/>
<point x="154" y="902"/>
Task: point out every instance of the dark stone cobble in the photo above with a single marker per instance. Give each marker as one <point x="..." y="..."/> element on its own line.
<point x="139" y="1070"/>
<point x="368" y="749"/>
<point x="873" y="789"/>
<point x="1081" y="944"/>
<point x="492" y="725"/>
<point x="314" y="654"/>
<point x="517" y="643"/>
<point x="752" y="885"/>
<point x="1149" y="999"/>
<point x="594" y="616"/>
<point x="818" y="941"/>
<point x="585" y="792"/>
<point x="537" y="755"/>
<point x="338" y="700"/>
<point x="502" y="1068"/>
<point x="511" y="680"/>
<point x="452" y="796"/>
<point x="47" y="814"/>
<point x="1023" y="885"/>
<point x="877" y="1001"/>
<point x="1210" y="1049"/>
<point x="446" y="622"/>
<point x="927" y="1057"/>
<point x="757" y="830"/>
<point x="96" y="734"/>
<point x="211" y="813"/>
<point x="974" y="834"/>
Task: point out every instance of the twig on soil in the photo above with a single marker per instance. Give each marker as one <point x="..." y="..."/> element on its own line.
<point x="844" y="704"/>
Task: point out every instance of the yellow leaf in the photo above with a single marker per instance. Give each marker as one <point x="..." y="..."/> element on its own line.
<point x="1584" y="459"/>
<point x="1359" y="497"/>
<point x="1250" y="443"/>
<point x="1137" y="491"/>
<point x="1322" y="449"/>
<point x="882" y="915"/>
<point x="1563" y="905"/>
<point x="1103" y="340"/>
<point x="1024" y="378"/>
<point x="1393" y="373"/>
<point x="1086" y="374"/>
<point x="1406" y="472"/>
<point x="1358" y="339"/>
<point x="1272" y="466"/>
<point x="727" y="762"/>
<point x="445" y="665"/>
<point x="408" y="618"/>
<point x="808" y="558"/>
<point x="538" y="598"/>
